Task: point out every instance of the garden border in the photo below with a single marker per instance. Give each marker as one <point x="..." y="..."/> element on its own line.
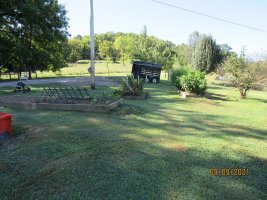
<point x="62" y="107"/>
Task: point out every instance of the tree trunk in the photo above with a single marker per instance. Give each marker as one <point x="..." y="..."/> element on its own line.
<point x="122" y="58"/>
<point x="20" y="70"/>
<point x="243" y="93"/>
<point x="9" y="75"/>
<point x="35" y="71"/>
<point x="107" y="68"/>
<point x="30" y="72"/>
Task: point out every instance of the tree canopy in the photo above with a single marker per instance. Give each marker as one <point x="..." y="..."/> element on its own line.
<point x="207" y="54"/>
<point x="245" y="74"/>
<point x="33" y="33"/>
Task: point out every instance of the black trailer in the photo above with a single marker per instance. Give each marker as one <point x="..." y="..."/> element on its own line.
<point x="150" y="72"/>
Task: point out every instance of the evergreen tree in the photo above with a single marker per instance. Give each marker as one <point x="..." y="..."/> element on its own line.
<point x="207" y="54"/>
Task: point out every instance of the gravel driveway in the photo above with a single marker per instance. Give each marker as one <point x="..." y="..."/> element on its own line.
<point x="72" y="81"/>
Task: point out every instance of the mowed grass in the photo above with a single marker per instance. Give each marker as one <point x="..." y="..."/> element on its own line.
<point x="115" y="69"/>
<point x="164" y="152"/>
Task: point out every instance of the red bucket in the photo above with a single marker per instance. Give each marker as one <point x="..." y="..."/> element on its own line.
<point x="5" y="123"/>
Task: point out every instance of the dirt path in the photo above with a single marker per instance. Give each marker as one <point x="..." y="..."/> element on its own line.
<point x="72" y="81"/>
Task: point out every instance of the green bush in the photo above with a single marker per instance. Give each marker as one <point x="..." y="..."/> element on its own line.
<point x="132" y="87"/>
<point x="193" y="82"/>
<point x="178" y="73"/>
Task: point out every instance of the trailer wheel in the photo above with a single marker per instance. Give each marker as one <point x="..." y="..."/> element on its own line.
<point x="154" y="80"/>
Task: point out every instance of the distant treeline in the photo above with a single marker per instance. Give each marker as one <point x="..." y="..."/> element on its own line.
<point x="201" y="51"/>
<point x="34" y="36"/>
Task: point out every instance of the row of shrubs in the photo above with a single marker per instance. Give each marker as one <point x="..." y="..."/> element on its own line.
<point x="185" y="79"/>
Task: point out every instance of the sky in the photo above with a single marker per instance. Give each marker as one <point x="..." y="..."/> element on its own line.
<point x="173" y="24"/>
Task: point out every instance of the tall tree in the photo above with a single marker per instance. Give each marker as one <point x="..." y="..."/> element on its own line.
<point x="183" y="58"/>
<point x="207" y="54"/>
<point x="124" y="45"/>
<point x="75" y="49"/>
<point x="85" y="45"/>
<point x="35" y="31"/>
<point x="151" y="49"/>
<point x="194" y="39"/>
<point x="106" y="51"/>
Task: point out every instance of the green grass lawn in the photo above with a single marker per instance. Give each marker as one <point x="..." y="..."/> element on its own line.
<point x="115" y="69"/>
<point x="165" y="151"/>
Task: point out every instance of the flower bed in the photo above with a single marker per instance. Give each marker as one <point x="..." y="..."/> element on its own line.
<point x="29" y="103"/>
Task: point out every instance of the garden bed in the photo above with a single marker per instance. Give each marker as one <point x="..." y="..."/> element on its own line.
<point x="30" y="103"/>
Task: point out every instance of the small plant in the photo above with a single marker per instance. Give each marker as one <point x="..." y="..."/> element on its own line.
<point x="132" y="87"/>
<point x="18" y="130"/>
<point x="193" y="82"/>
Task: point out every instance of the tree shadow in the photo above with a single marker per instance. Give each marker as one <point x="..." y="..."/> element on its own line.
<point x="215" y="96"/>
<point x="258" y="99"/>
<point x="113" y="162"/>
<point x="223" y="84"/>
<point x="160" y="154"/>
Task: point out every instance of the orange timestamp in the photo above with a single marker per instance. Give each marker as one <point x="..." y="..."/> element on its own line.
<point x="229" y="171"/>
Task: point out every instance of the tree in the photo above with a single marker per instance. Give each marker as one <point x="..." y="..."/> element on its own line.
<point x="85" y="48"/>
<point x="34" y="32"/>
<point x="244" y="74"/>
<point x="151" y="49"/>
<point x="182" y="57"/>
<point x="124" y="45"/>
<point x="207" y="54"/>
<point x="194" y="39"/>
<point x="75" y="48"/>
<point x="106" y="51"/>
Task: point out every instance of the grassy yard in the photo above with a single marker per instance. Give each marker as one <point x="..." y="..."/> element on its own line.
<point x="115" y="69"/>
<point x="164" y="150"/>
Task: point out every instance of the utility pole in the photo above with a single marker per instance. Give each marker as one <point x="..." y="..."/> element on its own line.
<point x="92" y="46"/>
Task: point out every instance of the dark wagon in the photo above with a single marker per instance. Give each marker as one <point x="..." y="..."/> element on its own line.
<point x="150" y="72"/>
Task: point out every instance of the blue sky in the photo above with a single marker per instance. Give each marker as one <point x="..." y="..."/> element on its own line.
<point x="172" y="24"/>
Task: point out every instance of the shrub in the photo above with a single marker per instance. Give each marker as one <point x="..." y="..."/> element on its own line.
<point x="132" y="87"/>
<point x="178" y="73"/>
<point x="193" y="82"/>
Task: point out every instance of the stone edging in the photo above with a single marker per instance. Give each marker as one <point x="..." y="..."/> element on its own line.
<point x="62" y="107"/>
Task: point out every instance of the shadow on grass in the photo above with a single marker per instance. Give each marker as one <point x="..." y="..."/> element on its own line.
<point x="81" y="158"/>
<point x="215" y="96"/>
<point x="258" y="99"/>
<point x="162" y="154"/>
<point x="223" y="84"/>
